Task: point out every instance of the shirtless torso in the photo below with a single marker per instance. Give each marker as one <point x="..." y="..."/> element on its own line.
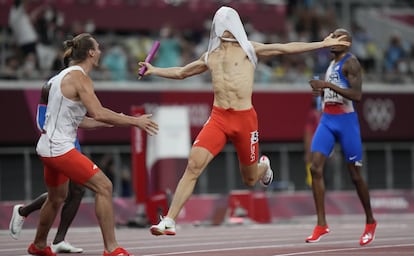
<point x="232" y="76"/>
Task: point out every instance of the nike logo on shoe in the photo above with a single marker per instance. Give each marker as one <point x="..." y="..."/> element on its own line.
<point x="369" y="234"/>
<point x="366" y="237"/>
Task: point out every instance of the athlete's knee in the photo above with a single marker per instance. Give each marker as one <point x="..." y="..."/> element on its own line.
<point x="104" y="188"/>
<point x="356" y="179"/>
<point x="100" y="184"/>
<point x="194" y="167"/>
<point x="355" y="175"/>
<point x="316" y="171"/>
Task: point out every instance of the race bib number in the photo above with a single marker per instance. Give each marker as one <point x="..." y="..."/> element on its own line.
<point x="332" y="96"/>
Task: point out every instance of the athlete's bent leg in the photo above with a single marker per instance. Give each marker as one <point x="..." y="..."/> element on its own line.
<point x="252" y="173"/>
<point x="362" y="191"/>
<point x="198" y="160"/>
<point x="48" y="213"/>
<point x="20" y="212"/>
<point x="68" y="213"/>
<point x="318" y="186"/>
<point x="318" y="191"/>
<point x="102" y="186"/>
<point x="69" y="210"/>
<point x="33" y="206"/>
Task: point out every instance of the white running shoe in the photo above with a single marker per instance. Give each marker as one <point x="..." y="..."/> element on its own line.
<point x="267" y="177"/>
<point x="65" y="247"/>
<point x="165" y="227"/>
<point x="16" y="222"/>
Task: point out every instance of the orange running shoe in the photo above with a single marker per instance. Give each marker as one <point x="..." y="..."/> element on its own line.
<point x="33" y="250"/>
<point x="318" y="232"/>
<point x="369" y="234"/>
<point x="117" y="252"/>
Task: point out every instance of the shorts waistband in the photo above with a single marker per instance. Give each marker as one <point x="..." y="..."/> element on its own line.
<point x="219" y="109"/>
<point x="333" y="108"/>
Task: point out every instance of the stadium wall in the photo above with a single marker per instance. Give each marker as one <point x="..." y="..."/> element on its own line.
<point x="384" y="111"/>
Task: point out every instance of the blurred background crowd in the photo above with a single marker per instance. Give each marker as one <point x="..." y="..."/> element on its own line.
<point x="32" y="32"/>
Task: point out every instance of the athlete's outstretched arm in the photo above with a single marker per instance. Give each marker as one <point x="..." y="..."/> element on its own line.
<point x="90" y="123"/>
<point x="83" y="88"/>
<point x="191" y="69"/>
<point x="297" y="47"/>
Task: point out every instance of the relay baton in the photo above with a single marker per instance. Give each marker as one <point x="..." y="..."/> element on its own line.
<point x="149" y="57"/>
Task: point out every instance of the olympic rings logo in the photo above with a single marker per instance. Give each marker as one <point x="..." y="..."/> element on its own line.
<point x="379" y="113"/>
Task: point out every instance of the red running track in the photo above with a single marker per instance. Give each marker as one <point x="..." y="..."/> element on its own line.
<point x="282" y="238"/>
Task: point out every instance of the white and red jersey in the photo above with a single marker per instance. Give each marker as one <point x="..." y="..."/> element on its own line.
<point x="334" y="103"/>
<point x="63" y="117"/>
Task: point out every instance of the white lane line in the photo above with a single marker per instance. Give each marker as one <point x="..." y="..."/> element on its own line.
<point x="343" y="249"/>
<point x="307" y="252"/>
